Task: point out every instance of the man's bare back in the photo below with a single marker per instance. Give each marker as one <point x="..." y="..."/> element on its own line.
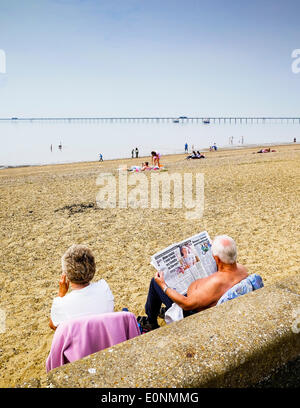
<point x="209" y="290"/>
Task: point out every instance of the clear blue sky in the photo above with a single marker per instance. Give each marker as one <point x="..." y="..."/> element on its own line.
<point x="149" y="57"/>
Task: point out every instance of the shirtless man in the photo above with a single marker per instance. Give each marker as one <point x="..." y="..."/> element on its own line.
<point x="202" y="293"/>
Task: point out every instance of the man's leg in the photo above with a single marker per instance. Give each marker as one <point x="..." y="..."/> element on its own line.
<point x="155" y="298"/>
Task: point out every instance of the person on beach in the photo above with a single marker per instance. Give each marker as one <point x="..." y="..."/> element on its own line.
<point x="192" y="156"/>
<point x="100" y="157"/>
<point x="136" y="153"/>
<point x="266" y="150"/>
<point x="145" y="166"/>
<point x="155" y="158"/>
<point x="132" y="153"/>
<point x="202" y="293"/>
<point x="186" y="148"/>
<point x="86" y="298"/>
<point x="196" y="155"/>
<point x="200" y="155"/>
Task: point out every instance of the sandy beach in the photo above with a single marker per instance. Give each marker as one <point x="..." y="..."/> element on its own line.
<point x="44" y="209"/>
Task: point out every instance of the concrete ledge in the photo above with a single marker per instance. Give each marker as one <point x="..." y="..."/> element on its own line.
<point x="291" y="284"/>
<point x="235" y="344"/>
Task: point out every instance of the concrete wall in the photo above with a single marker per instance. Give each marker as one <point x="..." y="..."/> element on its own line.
<point x="235" y="344"/>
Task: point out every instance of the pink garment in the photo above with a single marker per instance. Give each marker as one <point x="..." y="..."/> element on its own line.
<point x="77" y="338"/>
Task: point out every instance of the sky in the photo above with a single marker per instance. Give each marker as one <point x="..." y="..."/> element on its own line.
<point x="149" y="58"/>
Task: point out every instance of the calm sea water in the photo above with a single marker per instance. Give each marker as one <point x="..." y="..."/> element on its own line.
<point x="26" y="143"/>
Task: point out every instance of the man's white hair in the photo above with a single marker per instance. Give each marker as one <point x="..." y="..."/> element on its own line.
<point x="224" y="247"/>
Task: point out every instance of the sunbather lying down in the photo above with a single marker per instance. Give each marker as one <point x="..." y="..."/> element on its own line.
<point x="196" y="155"/>
<point x="145" y="166"/>
<point x="265" y="150"/>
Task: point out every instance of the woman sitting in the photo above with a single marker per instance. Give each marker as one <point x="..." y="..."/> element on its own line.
<point x="192" y="156"/>
<point x="195" y="155"/>
<point x="86" y="298"/>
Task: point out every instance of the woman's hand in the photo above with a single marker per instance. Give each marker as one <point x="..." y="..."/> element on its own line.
<point x="63" y="285"/>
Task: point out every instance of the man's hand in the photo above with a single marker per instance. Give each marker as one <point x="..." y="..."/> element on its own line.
<point x="159" y="279"/>
<point x="185" y="302"/>
<point x="63" y="285"/>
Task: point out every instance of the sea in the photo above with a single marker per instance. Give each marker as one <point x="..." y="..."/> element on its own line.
<point x="37" y="142"/>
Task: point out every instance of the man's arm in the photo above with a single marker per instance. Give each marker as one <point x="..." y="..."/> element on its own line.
<point x="190" y="302"/>
<point x="186" y="303"/>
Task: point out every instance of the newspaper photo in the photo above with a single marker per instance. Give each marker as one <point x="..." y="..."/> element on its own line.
<point x="184" y="262"/>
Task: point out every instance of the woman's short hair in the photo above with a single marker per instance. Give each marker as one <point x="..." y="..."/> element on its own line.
<point x="224" y="247"/>
<point x="78" y="263"/>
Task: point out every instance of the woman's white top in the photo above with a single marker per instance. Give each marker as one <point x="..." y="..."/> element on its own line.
<point x="96" y="298"/>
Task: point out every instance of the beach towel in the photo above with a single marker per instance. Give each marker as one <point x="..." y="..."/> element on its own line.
<point x="252" y="282"/>
<point x="135" y="168"/>
<point x="77" y="338"/>
<point x="138" y="169"/>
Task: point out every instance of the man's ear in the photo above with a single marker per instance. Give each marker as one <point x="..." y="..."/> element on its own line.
<point x="217" y="259"/>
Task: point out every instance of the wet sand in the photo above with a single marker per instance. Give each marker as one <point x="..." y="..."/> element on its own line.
<point x="44" y="209"/>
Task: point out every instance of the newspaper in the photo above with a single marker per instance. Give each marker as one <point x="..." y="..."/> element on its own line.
<point x="184" y="262"/>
